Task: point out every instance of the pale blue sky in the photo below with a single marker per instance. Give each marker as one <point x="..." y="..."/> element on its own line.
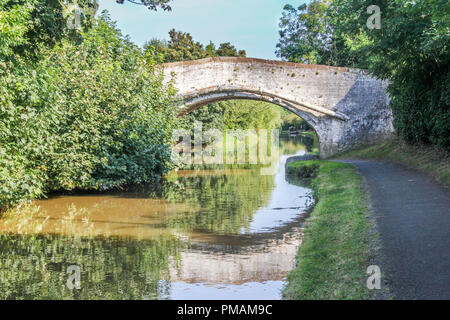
<point x="251" y="25"/>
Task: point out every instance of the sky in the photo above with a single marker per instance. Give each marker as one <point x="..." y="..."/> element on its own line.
<point x="251" y="25"/>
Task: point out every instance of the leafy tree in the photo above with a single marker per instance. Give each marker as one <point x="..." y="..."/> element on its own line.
<point x="304" y="34"/>
<point x="182" y="47"/>
<point x="308" y="34"/>
<point x="156" y="49"/>
<point x="211" y="50"/>
<point x="235" y="114"/>
<point x="211" y="115"/>
<point x="411" y="51"/>
<point x="90" y="115"/>
<point x="13" y="27"/>
<point x="295" y="121"/>
<point x="250" y="114"/>
<point x="228" y="50"/>
<point x="28" y="24"/>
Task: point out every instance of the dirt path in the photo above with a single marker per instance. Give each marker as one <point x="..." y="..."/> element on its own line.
<point x="413" y="217"/>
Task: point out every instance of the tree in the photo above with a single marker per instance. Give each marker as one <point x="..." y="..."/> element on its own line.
<point x="89" y="115"/>
<point x="228" y="50"/>
<point x="309" y="34"/>
<point x="211" y="50"/>
<point x="182" y="47"/>
<point x="412" y="51"/>
<point x="25" y="25"/>
<point x="251" y="114"/>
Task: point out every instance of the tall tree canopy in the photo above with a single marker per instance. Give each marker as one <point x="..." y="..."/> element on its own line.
<point x="310" y="34"/>
<point x="182" y="47"/>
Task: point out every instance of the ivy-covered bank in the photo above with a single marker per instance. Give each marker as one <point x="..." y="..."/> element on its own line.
<point x="335" y="252"/>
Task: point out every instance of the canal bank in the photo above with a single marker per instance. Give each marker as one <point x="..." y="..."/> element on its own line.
<point x="375" y="213"/>
<point x="338" y="236"/>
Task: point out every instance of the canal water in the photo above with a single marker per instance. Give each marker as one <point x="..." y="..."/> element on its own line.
<point x="206" y="234"/>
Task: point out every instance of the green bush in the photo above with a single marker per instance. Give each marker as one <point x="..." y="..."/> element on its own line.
<point x="421" y="110"/>
<point x="92" y="115"/>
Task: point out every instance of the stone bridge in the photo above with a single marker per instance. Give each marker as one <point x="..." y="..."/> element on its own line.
<point x="346" y="107"/>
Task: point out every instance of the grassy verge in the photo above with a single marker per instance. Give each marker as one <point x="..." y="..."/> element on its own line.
<point x="335" y="253"/>
<point x="431" y="160"/>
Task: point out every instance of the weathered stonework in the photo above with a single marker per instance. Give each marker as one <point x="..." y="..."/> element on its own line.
<point x="346" y="107"/>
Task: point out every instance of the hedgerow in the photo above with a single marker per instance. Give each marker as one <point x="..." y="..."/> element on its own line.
<point x="90" y="114"/>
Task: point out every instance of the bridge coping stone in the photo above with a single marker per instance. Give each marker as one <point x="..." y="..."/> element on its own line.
<point x="262" y="61"/>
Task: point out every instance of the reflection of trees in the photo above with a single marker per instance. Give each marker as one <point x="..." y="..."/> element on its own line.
<point x="222" y="203"/>
<point x="35" y="267"/>
<point x="292" y="120"/>
<point x="308" y="142"/>
<point x="291" y="145"/>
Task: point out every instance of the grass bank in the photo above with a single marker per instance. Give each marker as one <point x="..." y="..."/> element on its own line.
<point x="428" y="159"/>
<point x="335" y="253"/>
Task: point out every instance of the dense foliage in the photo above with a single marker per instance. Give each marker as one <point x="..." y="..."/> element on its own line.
<point x="82" y="115"/>
<point x="410" y="50"/>
<point x="292" y="120"/>
<point x="235" y="114"/>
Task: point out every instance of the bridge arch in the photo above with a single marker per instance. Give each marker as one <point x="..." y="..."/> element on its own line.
<point x="221" y="95"/>
<point x="346" y="107"/>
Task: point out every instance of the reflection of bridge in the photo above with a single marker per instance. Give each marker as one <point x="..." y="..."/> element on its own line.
<point x="346" y="107"/>
<point x="272" y="259"/>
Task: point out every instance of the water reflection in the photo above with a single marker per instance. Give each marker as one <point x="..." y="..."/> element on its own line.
<point x="34" y="267"/>
<point x="226" y="234"/>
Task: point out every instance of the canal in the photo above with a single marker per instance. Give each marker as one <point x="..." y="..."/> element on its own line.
<point x="205" y="234"/>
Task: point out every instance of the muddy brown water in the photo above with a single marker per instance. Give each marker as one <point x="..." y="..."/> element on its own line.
<point x="208" y="234"/>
